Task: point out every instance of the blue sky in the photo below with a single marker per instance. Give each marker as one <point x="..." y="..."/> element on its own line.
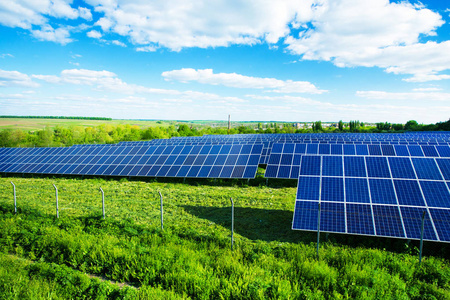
<point x="287" y="60"/>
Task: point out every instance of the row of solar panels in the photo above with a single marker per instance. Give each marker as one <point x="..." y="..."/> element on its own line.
<point x="372" y="195"/>
<point x="209" y="161"/>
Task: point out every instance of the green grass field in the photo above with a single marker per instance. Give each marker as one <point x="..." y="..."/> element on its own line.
<point x="192" y="258"/>
<point x="38" y="124"/>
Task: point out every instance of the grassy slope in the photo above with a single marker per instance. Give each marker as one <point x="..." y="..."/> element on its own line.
<point x="192" y="257"/>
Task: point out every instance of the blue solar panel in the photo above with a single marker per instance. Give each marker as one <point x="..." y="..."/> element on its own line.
<point x="412" y="219"/>
<point x="401" y="167"/>
<point x="436" y="193"/>
<point x="426" y="168"/>
<point x="444" y="166"/>
<point x="441" y="220"/>
<point x="359" y="219"/>
<point x="408" y="193"/>
<point x="332" y="217"/>
<point x="388" y="221"/>
<point x="332" y="166"/>
<point x="357" y="190"/>
<point x="332" y="189"/>
<point x="377" y="167"/>
<point x="310" y="165"/>
<point x="308" y="188"/>
<point x="354" y="166"/>
<point x="382" y="191"/>
<point x="307" y="212"/>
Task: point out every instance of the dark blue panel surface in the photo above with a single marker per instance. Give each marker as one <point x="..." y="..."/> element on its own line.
<point x="308" y="188"/>
<point x="408" y="192"/>
<point x="332" y="217"/>
<point x="436" y="193"/>
<point x="388" y="221"/>
<point x="332" y="166"/>
<point x="357" y="190"/>
<point x="430" y="151"/>
<point x="306" y="215"/>
<point x="401" y="150"/>
<point x="444" y="166"/>
<point x="401" y="167"/>
<point x="354" y="166"/>
<point x="375" y="150"/>
<point x="412" y="219"/>
<point x="359" y="219"/>
<point x="377" y="167"/>
<point x="444" y="151"/>
<point x="426" y="168"/>
<point x="382" y="191"/>
<point x="332" y="189"/>
<point x="310" y="165"/>
<point x="250" y="172"/>
<point x="284" y="172"/>
<point x="441" y="220"/>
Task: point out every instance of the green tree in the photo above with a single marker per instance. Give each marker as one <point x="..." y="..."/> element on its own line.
<point x="341" y="125"/>
<point x="411" y="125"/>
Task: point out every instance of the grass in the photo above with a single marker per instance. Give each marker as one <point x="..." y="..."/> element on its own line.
<point x="38" y="124"/>
<point x="192" y="258"/>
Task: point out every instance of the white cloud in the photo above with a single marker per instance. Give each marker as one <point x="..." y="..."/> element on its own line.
<point x="178" y="24"/>
<point x="146" y="49"/>
<point x="374" y="33"/>
<point x="94" y="34"/>
<point x="6" y="55"/>
<point x="430" y="89"/>
<point x="118" y="43"/>
<point x="29" y="14"/>
<point x="15" y="78"/>
<point x="207" y="76"/>
<point x="85" y="13"/>
<point x="410" y="96"/>
<point x="108" y="81"/>
<point x="48" y="33"/>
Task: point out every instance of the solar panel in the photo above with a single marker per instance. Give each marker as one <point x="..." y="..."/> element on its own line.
<point x="292" y="152"/>
<point x="200" y="161"/>
<point x="375" y="195"/>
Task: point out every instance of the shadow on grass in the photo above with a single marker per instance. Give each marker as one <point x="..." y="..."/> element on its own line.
<point x="254" y="223"/>
<point x="275" y="225"/>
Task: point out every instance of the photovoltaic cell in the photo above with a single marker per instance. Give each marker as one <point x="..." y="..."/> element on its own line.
<point x="357" y="190"/>
<point x="359" y="219"/>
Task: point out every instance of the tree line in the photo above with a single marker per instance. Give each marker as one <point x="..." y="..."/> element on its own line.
<point x="57" y="117"/>
<point x="61" y="136"/>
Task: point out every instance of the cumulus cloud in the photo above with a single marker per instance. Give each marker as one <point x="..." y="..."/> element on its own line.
<point x="374" y="33"/>
<point x="418" y="94"/>
<point x="207" y="76"/>
<point x="94" y="34"/>
<point x="28" y="14"/>
<point x="178" y="24"/>
<point x="15" y="78"/>
<point x="48" y="33"/>
<point x="109" y="81"/>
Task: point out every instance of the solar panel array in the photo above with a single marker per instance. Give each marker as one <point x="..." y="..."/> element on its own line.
<point x="208" y="161"/>
<point x="366" y="184"/>
<point x="285" y="159"/>
<point x="374" y="195"/>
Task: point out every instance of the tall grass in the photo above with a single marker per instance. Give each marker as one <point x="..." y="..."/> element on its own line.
<point x="192" y="256"/>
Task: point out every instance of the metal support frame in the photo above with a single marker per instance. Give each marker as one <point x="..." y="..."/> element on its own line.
<point x="57" y="207"/>
<point x="15" y="201"/>
<point x="232" y="223"/>
<point x="318" y="232"/>
<point x="421" y="237"/>
<point x="103" y="203"/>
<point x="162" y="218"/>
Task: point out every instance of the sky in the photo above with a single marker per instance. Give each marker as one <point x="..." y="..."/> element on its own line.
<point x="256" y="60"/>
